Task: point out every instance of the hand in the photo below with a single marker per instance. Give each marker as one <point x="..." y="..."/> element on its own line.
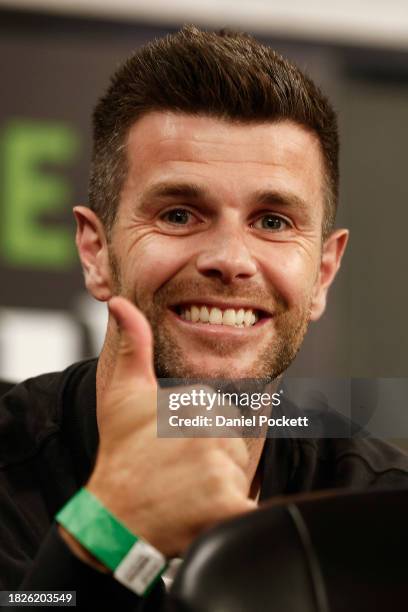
<point x="165" y="490"/>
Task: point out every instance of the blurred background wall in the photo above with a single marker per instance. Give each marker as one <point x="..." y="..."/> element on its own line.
<point x="55" y="60"/>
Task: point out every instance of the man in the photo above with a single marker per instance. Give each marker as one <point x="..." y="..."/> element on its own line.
<point x="210" y="233"/>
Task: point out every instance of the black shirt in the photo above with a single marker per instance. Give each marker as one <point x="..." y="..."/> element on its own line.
<point x="48" y="443"/>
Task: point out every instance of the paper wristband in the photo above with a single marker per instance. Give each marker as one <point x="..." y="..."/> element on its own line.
<point x="134" y="562"/>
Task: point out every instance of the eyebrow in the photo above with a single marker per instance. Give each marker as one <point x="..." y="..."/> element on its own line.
<point x="193" y="192"/>
<point x="271" y="197"/>
<point x="171" y="190"/>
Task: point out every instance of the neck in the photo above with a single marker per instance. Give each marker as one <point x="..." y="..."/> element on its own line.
<point x="106" y="361"/>
<point x="255" y="448"/>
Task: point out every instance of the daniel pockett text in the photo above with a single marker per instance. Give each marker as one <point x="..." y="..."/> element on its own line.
<point x="197" y="412"/>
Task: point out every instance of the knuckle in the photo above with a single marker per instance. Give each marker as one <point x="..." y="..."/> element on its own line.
<point x="198" y="447"/>
<point x="228" y="503"/>
<point x="223" y="476"/>
<point x="214" y="470"/>
<point x="237" y="449"/>
<point x="242" y="448"/>
<point x="239" y="478"/>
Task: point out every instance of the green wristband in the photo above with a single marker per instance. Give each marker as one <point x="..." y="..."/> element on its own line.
<point x="134" y="562"/>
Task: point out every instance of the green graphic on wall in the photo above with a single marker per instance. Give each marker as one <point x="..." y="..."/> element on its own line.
<point x="33" y="190"/>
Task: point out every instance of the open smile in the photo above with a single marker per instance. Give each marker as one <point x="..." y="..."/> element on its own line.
<point x="220" y="318"/>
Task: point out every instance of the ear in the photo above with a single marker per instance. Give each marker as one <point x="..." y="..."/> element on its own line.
<point x="332" y="253"/>
<point x="93" y="251"/>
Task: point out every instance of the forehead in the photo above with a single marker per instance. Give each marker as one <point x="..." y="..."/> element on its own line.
<point x="234" y="157"/>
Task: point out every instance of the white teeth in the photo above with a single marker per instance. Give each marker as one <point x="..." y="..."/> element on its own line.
<point x="195" y="314"/>
<point x="204" y="314"/>
<point x="240" y="316"/>
<point x="247" y="318"/>
<point x="216" y="316"/>
<point x="228" y="318"/>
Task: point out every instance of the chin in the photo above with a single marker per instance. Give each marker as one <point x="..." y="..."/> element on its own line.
<point x="223" y="371"/>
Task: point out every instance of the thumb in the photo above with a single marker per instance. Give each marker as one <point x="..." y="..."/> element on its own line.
<point x="134" y="359"/>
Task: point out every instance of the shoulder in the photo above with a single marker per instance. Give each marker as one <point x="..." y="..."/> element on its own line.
<point x="379" y="461"/>
<point x="333" y="453"/>
<point x="356" y="462"/>
<point x="31" y="411"/>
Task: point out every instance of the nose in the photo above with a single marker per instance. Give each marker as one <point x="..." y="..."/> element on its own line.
<point x="227" y="258"/>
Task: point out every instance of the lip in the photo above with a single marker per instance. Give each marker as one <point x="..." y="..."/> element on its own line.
<point x="219" y="330"/>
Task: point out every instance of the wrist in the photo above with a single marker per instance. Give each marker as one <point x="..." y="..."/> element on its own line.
<point x="133" y="561"/>
<point x="80" y="551"/>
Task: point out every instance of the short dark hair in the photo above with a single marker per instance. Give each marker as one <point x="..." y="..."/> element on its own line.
<point x="227" y="75"/>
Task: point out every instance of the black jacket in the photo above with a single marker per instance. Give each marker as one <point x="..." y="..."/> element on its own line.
<point x="48" y="442"/>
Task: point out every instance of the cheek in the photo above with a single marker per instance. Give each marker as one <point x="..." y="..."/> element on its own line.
<point x="291" y="273"/>
<point x="151" y="264"/>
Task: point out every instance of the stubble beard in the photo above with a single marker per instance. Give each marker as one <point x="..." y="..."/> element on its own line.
<point x="290" y="327"/>
<point x="273" y="360"/>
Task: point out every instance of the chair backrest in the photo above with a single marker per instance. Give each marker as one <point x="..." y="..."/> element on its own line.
<point x="5" y="386"/>
<point x="333" y="552"/>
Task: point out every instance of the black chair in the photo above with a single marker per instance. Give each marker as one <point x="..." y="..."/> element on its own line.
<point x="336" y="551"/>
<point x="5" y="386"/>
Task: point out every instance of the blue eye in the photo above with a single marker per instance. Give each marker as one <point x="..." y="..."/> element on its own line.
<point x="272" y="222"/>
<point x="178" y="216"/>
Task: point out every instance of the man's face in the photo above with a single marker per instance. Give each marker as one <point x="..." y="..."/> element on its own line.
<point x="222" y="217"/>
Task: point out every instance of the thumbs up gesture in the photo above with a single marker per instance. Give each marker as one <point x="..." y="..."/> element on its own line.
<point x="165" y="490"/>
